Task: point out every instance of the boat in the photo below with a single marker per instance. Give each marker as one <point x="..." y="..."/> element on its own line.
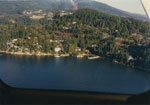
<point x="57" y="56"/>
<point x="115" y="61"/>
<point x="79" y="56"/>
<point x="64" y="55"/>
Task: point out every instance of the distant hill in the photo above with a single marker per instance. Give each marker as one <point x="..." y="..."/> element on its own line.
<point x="107" y="9"/>
<point x="17" y="6"/>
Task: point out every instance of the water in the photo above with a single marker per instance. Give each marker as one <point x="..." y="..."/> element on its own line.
<point x="72" y="74"/>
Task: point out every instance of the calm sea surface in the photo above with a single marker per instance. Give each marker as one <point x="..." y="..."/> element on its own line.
<point x="72" y="74"/>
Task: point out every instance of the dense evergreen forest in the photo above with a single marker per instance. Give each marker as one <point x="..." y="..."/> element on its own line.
<point x="119" y="39"/>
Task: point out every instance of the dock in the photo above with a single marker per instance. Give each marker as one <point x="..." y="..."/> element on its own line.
<point x="94" y="57"/>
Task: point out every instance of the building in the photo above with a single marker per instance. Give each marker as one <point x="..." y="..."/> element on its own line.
<point x="57" y="49"/>
<point x="14" y="40"/>
<point x="74" y="23"/>
<point x="78" y="49"/>
<point x="63" y="13"/>
<point x="94" y="46"/>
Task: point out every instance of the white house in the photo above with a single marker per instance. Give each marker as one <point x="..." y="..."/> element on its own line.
<point x="57" y="49"/>
<point x="78" y="49"/>
<point x="74" y="23"/>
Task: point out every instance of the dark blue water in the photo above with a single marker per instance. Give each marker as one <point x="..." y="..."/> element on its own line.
<point x="72" y="74"/>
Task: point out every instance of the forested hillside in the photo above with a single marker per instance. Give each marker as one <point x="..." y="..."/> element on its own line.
<point x="85" y="31"/>
<point x="107" y="9"/>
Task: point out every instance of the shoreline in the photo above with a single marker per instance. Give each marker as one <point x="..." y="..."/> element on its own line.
<point x="26" y="54"/>
<point x="33" y="54"/>
<point x="46" y="54"/>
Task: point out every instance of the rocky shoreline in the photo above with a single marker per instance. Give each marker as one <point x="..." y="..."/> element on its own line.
<point x="33" y="54"/>
<point x="48" y="54"/>
<point x="26" y="53"/>
<point x="90" y="57"/>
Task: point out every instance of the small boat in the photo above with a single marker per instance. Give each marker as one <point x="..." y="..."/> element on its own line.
<point x="64" y="55"/>
<point x="57" y="56"/>
<point x="115" y="61"/>
<point x="79" y="56"/>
